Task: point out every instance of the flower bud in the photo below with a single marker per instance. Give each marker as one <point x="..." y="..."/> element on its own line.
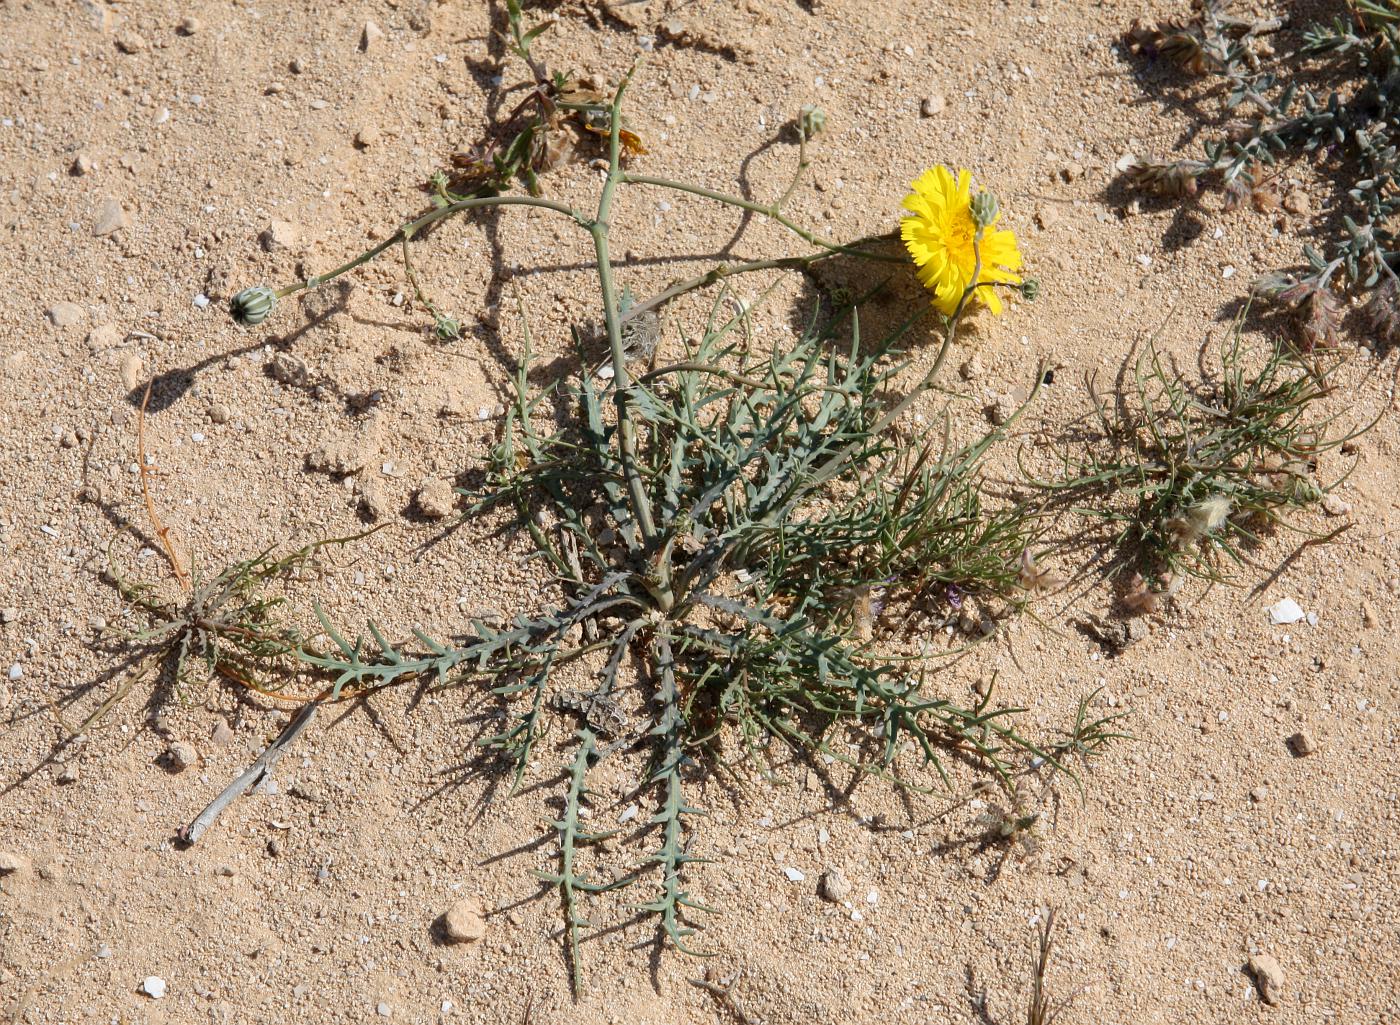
<point x="448" y="329"/>
<point x="985" y="209"/>
<point x="252" y="305"/>
<point x="811" y="121"/>
<point x="1030" y="288"/>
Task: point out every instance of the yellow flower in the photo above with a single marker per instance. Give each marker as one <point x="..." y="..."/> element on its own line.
<point x="938" y="234"/>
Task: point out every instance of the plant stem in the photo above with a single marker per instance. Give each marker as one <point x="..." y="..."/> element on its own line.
<point x="622" y="382"/>
<point x="829" y="469"/>
<point x="431" y="217"/>
<point x="802" y="163"/>
<point x="726" y="270"/>
<point x="770" y="212"/>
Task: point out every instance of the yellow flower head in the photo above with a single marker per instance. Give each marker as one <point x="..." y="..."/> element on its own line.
<point x="938" y="234"/>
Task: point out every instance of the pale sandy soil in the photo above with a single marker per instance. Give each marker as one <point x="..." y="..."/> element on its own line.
<point x="1167" y="876"/>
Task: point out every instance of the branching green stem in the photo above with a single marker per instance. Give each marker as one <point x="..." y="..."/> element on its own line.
<point x="407" y="232"/>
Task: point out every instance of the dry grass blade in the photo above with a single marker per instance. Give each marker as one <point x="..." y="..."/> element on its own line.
<point x="1041" y="1009"/>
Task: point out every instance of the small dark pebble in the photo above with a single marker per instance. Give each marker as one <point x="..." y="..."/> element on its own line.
<point x="1049" y="377"/>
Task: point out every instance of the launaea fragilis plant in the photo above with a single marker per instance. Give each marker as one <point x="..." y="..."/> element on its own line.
<point x="940" y="232"/>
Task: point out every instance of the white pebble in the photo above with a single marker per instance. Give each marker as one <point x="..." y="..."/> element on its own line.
<point x="794" y="874"/>
<point x="16" y="671"/>
<point x="1285" y="612"/>
<point x="1144" y="259"/>
<point x="201" y="300"/>
<point x="153" y="987"/>
<point x="628" y="814"/>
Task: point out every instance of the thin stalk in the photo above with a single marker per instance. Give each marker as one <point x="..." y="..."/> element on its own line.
<point x="830" y="468"/>
<point x="802" y="163"/>
<point x="728" y="270"/>
<point x="622" y="381"/>
<point x="769" y="210"/>
<point x="407" y="232"/>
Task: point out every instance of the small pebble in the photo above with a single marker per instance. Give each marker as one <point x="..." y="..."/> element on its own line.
<point x="82" y="164"/>
<point x="69" y="440"/>
<point x="1045" y="217"/>
<point x="1268" y="976"/>
<point x="111" y="217"/>
<point x="463" y="922"/>
<point x="1002" y="409"/>
<point x="795" y="875"/>
<point x="1368" y="616"/>
<point x="1335" y="505"/>
<point x="188" y="26"/>
<point x="933" y="105"/>
<point x="436" y="499"/>
<point x="130" y="371"/>
<point x="153" y="986"/>
<point x="1072" y="171"/>
<point x="1285" y="612"/>
<point x="383" y="1009"/>
<point x="1303" y="744"/>
<point x="971" y="369"/>
<point x="366" y="136"/>
<point x="65" y="314"/>
<point x="287" y="368"/>
<point x="222" y="735"/>
<point x="225" y="870"/>
<point x="833" y="885"/>
<point x="370" y="37"/>
<point x="9" y="614"/>
<point x="10" y="862"/>
<point x="279" y="235"/>
<point x="130" y="42"/>
<point x="219" y="412"/>
<point x="183" y="755"/>
<point x="1259" y="794"/>
<point x="16" y="671"/>
<point x="1297" y="202"/>
<point x="68" y="775"/>
<point x="104" y="337"/>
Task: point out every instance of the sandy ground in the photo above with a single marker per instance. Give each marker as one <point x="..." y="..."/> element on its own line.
<point x="1203" y="842"/>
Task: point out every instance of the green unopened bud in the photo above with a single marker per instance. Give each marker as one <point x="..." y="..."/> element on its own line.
<point x="811" y="120"/>
<point x="985" y="209"/>
<point x="448" y="329"/>
<point x="252" y="305"/>
<point x="1030" y="288"/>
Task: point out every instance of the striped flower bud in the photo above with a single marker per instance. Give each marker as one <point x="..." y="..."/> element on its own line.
<point x="252" y="305"/>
